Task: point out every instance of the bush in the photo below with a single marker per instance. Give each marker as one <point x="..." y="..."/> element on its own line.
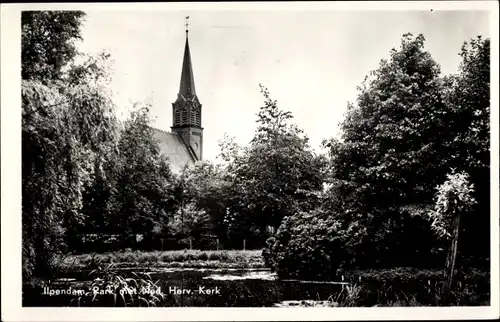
<point x="389" y="286"/>
<point x="307" y="246"/>
<point x="268" y="254"/>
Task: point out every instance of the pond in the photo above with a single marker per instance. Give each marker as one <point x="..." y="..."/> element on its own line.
<point x="203" y="288"/>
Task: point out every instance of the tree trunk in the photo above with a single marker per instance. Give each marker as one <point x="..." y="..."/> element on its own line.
<point x="452" y="255"/>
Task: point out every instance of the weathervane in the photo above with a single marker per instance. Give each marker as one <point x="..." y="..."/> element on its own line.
<point x="187" y="24"/>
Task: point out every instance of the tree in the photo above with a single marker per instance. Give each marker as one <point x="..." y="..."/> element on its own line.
<point x="66" y="126"/>
<point x="99" y="197"/>
<point x="48" y="42"/>
<point x="208" y="188"/>
<point x="407" y="128"/>
<point x="144" y="181"/>
<point x="453" y="200"/>
<point x="392" y="153"/>
<point x="468" y="98"/>
<point x="276" y="172"/>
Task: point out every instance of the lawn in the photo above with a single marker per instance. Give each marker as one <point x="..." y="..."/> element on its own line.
<point x="175" y="258"/>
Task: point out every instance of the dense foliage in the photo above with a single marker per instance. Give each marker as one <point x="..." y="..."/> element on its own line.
<point x="402" y="285"/>
<point x="204" y="192"/>
<point x="276" y="175"/>
<point x="48" y="42"/>
<point x="391" y="155"/>
<point x="308" y="246"/>
<point x="469" y="99"/>
<point x="454" y="201"/>
<point x="407" y="130"/>
<point x="453" y="197"/>
<point x="84" y="173"/>
<point x="67" y="123"/>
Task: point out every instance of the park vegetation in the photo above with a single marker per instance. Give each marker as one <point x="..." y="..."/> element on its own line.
<point x="405" y="185"/>
<point x="165" y="259"/>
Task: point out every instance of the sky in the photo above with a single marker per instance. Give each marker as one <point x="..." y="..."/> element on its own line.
<point x="311" y="62"/>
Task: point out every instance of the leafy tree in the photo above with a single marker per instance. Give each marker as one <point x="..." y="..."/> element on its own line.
<point x="392" y="153"/>
<point x="192" y="227"/>
<point x="468" y="98"/>
<point x="65" y="129"/>
<point x="276" y="171"/>
<point x="48" y="42"/>
<point x="67" y="125"/>
<point x="408" y="127"/>
<point x="144" y="181"/>
<point x="453" y="200"/>
<point x="58" y="157"/>
<point x="229" y="152"/>
<point x="390" y="136"/>
<point x="209" y="189"/>
<point x="99" y="198"/>
<point x="236" y="224"/>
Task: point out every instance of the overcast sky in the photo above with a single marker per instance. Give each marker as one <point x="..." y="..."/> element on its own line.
<point x="311" y="62"/>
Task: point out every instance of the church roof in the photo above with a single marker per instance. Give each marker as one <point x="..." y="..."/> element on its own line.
<point x="187" y="89"/>
<point x="173" y="146"/>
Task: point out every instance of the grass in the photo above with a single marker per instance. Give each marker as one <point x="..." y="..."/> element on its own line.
<point x="355" y="296"/>
<point x="166" y="259"/>
<point x="406" y="286"/>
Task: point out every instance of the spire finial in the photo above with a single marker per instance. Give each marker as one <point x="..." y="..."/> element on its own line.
<point x="187" y="24"/>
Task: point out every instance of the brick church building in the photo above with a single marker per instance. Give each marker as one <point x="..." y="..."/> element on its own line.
<point x="184" y="144"/>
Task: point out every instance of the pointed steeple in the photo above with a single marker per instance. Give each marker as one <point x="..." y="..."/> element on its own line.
<point x="187" y="88"/>
<point x="186" y="110"/>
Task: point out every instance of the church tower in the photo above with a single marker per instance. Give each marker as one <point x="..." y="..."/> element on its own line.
<point x="186" y="109"/>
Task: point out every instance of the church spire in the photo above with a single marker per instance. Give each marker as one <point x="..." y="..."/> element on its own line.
<point x="186" y="110"/>
<point x="187" y="88"/>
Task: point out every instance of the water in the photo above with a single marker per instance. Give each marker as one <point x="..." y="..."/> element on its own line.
<point x="203" y="288"/>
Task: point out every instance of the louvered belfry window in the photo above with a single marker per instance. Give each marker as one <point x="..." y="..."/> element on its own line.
<point x="193" y="117"/>
<point x="198" y="118"/>
<point x="177" y="118"/>
<point x="184" y="116"/>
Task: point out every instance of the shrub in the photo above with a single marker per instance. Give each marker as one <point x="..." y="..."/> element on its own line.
<point x="307" y="246"/>
<point x="403" y="286"/>
<point x="454" y="197"/>
<point x="268" y="254"/>
<point x="203" y="256"/>
<point x="212" y="256"/>
<point x="224" y="255"/>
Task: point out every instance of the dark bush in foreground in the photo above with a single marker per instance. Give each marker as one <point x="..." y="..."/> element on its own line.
<point x="411" y="286"/>
<point x="307" y="246"/>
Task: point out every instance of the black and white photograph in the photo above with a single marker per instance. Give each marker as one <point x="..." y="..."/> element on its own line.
<point x="175" y="155"/>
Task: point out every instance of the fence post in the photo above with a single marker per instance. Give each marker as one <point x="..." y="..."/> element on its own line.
<point x="244" y="242"/>
<point x="190" y="244"/>
<point x="217" y="243"/>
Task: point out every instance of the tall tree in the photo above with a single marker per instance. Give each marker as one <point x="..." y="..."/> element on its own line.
<point x="468" y="98"/>
<point x="407" y="129"/>
<point x="208" y="189"/>
<point x="392" y="152"/>
<point x="144" y="181"/>
<point x="66" y="124"/>
<point x="276" y="172"/>
<point x="454" y="201"/>
<point x="48" y="42"/>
